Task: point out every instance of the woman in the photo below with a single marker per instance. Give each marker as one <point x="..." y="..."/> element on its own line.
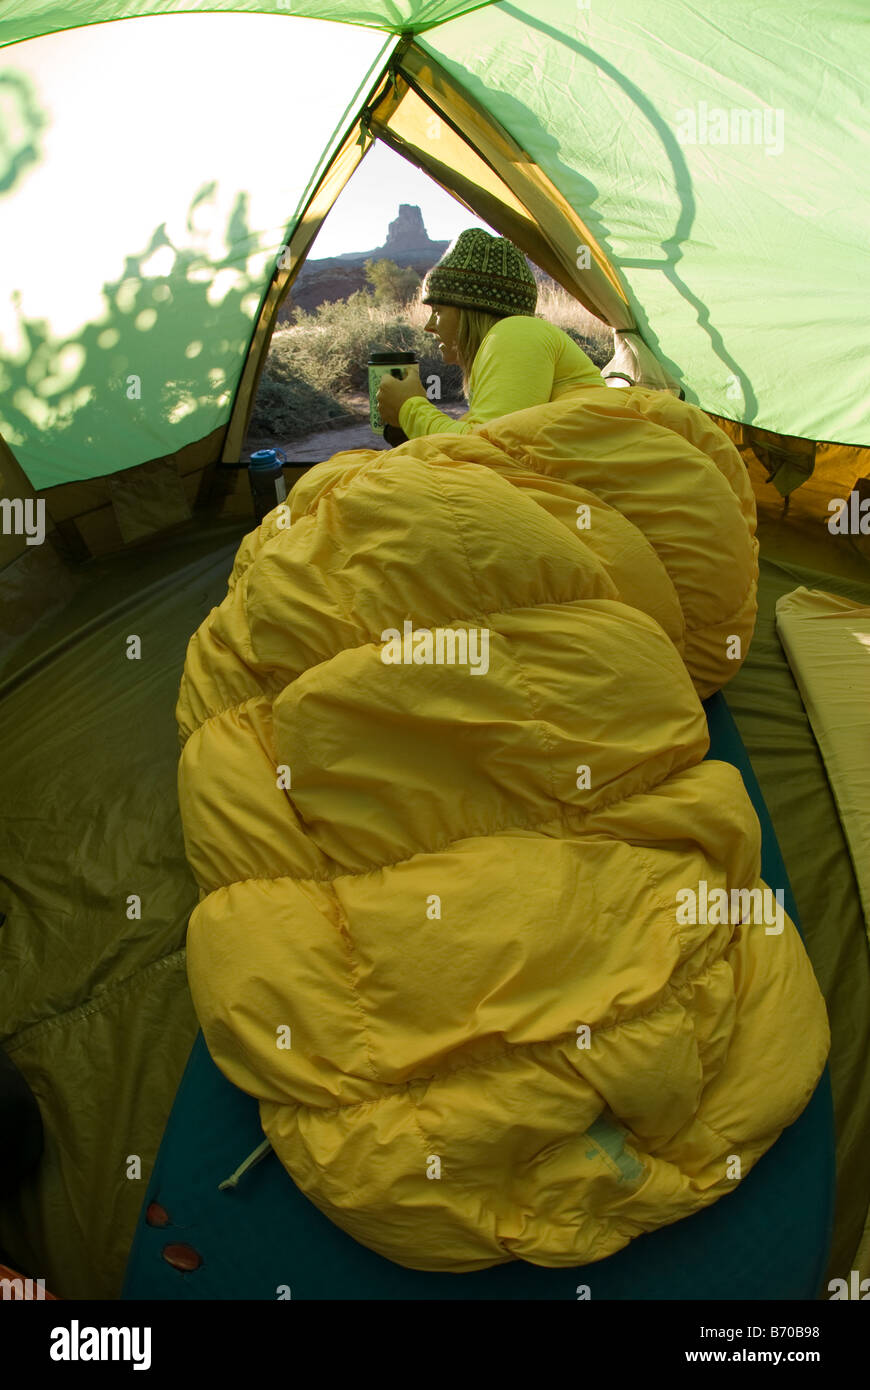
<point x="483" y="296"/>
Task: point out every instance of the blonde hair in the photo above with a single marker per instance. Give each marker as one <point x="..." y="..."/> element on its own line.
<point x="474" y="324"/>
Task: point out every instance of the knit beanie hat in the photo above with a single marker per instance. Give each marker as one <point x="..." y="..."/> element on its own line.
<point x="481" y="271"/>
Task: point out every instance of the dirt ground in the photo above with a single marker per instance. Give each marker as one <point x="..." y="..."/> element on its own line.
<point x="315" y="448"/>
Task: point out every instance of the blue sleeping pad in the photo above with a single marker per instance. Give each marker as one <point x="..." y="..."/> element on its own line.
<point x="769" y="1239"/>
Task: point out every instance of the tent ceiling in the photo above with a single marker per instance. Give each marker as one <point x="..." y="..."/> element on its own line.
<point x="745" y="256"/>
<point x="467" y="153"/>
<point x="141" y="236"/>
<point x="739" y="251"/>
<point x="26" y="19"/>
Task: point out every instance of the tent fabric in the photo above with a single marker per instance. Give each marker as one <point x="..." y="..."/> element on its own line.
<point x="439" y="121"/>
<point x="806" y="474"/>
<point x="619" y="123"/>
<point x="290" y="261"/>
<point x="138" y="352"/>
<point x="95" y="1008"/>
<point x="26" y="19"/>
<point x="713" y="221"/>
<point x="826" y="639"/>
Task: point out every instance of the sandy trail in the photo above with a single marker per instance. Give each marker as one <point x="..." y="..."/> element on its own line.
<point x="322" y="444"/>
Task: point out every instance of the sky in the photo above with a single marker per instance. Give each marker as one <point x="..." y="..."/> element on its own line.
<point x="370" y="200"/>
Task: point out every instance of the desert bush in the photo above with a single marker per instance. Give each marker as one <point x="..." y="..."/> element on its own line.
<point x="330" y="347"/>
<point x="391" y="283"/>
<point x="291" y="408"/>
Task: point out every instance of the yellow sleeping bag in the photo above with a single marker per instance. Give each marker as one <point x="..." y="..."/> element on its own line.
<point x="443" y="790"/>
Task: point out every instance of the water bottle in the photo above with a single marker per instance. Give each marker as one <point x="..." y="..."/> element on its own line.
<point x="266" y="476"/>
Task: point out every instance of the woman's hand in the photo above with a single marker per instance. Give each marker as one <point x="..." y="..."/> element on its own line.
<point x="393" y="392"/>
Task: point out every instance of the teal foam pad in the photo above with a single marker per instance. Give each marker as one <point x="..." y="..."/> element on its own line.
<point x="769" y="1239"/>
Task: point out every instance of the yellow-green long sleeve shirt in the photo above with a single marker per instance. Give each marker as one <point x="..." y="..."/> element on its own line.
<point x="522" y="361"/>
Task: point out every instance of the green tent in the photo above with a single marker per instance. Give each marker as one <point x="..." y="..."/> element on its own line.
<point x="695" y="179"/>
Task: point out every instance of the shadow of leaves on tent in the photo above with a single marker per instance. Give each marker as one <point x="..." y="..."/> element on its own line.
<point x="583" y="195"/>
<point x="21" y="124"/>
<point x="155" y="371"/>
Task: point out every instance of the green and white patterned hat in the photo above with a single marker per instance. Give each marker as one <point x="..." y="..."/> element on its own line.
<point x="481" y="271"/>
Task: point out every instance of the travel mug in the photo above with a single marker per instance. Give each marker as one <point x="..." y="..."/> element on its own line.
<point x="380" y="364"/>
